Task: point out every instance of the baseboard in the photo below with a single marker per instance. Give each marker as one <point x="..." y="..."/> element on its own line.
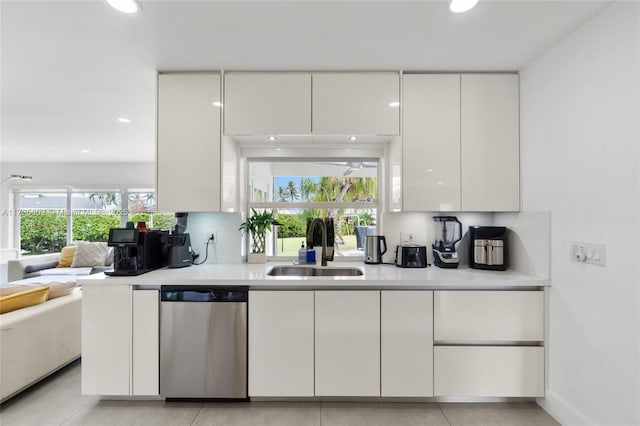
<point x="565" y="413"/>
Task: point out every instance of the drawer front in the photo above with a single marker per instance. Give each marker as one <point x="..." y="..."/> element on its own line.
<point x="488" y="316"/>
<point x="489" y="371"/>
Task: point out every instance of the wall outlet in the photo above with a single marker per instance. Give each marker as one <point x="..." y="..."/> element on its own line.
<point x="591" y="253"/>
<point x="209" y="235"/>
<point x="407" y="237"/>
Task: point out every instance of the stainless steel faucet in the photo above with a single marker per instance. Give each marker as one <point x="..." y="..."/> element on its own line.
<point x="312" y="226"/>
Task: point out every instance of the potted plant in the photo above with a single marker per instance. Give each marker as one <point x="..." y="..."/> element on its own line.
<point x="257" y="225"/>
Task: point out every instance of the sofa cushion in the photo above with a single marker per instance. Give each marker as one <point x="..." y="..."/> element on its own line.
<point x="57" y="288"/>
<point x="66" y="256"/>
<point x="40" y="266"/>
<point x="23" y="299"/>
<point x="90" y="254"/>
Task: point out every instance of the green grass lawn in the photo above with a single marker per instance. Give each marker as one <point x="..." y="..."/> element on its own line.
<point x="290" y="246"/>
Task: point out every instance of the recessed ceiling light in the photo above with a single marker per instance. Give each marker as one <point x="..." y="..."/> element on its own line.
<point x="130" y="7"/>
<point x="272" y="138"/>
<point x="217" y="104"/>
<point x="429" y="170"/>
<point x="124" y="120"/>
<point x="459" y="6"/>
<point x="394" y="104"/>
<point x="353" y="138"/>
<point x="85" y="151"/>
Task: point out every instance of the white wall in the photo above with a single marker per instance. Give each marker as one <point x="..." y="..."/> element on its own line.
<point x="227" y="247"/>
<point x="580" y="160"/>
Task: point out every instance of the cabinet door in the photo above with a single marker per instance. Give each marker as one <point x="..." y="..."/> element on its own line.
<point x="281" y="343"/>
<point x="490" y="142"/>
<point x="106" y="338"/>
<point x="267" y="103"/>
<point x="489" y="371"/>
<point x="146" y="343"/>
<point x="356" y="103"/>
<point x="407" y="343"/>
<point x="188" y="146"/>
<point x="431" y="142"/>
<point x="488" y="316"/>
<point x="347" y="343"/>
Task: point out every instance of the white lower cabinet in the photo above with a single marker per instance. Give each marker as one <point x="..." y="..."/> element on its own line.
<point x="120" y="340"/>
<point x="488" y="316"/>
<point x="489" y="371"/>
<point x="145" y="360"/>
<point x="106" y="339"/>
<point x="281" y="343"/>
<point x="347" y="343"/>
<point x="406" y="343"/>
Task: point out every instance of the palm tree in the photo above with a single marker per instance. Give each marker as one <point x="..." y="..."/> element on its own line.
<point x="105" y="198"/>
<point x="292" y="191"/>
<point x="344" y="188"/>
<point x="282" y="193"/>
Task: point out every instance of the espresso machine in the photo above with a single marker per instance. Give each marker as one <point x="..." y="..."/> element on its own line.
<point x="180" y="253"/>
<point x="137" y="252"/>
<point x="448" y="231"/>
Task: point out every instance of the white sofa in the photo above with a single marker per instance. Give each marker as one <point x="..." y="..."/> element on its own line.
<point x="38" y="340"/>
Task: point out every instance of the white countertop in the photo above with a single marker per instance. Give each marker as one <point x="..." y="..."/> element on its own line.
<point x="374" y="277"/>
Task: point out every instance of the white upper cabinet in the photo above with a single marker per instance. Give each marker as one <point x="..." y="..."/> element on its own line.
<point x="431" y="142"/>
<point x="356" y="103"/>
<point x="490" y="142"/>
<point x="188" y="145"/>
<point x="267" y="103"/>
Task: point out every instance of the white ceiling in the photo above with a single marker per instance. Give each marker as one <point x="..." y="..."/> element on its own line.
<point x="69" y="69"/>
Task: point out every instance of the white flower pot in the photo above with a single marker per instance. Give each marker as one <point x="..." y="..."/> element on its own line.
<point x="256" y="257"/>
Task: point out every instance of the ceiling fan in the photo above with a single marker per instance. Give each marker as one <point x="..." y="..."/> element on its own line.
<point x="353" y="165"/>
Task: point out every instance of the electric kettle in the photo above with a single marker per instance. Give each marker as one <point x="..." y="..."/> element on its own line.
<point x="374" y="247"/>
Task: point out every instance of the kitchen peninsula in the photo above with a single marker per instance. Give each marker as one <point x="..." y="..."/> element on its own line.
<point x="390" y="332"/>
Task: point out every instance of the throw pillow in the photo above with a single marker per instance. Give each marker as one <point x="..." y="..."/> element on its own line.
<point x="66" y="256"/>
<point x="89" y="254"/>
<point x="61" y="289"/>
<point x="109" y="260"/>
<point x="40" y="266"/>
<point x="23" y="299"/>
<point x="17" y="288"/>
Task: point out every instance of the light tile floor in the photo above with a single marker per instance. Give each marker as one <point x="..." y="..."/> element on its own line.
<point x="57" y="401"/>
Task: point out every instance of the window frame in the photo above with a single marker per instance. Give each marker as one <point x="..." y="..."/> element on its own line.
<point x="279" y="205"/>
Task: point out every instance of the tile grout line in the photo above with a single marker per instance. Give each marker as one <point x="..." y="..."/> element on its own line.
<point x="193" y="419"/>
<point x="82" y="407"/>
<point x="444" y="414"/>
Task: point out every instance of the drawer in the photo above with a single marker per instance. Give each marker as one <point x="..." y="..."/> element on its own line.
<point x="488" y="316"/>
<point x="488" y="371"/>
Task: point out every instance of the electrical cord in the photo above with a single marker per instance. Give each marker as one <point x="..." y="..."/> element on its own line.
<point x="206" y="253"/>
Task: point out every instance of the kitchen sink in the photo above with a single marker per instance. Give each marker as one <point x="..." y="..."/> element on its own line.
<point x="309" y="271"/>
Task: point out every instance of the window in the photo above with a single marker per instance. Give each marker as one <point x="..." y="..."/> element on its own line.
<point x="93" y="214"/>
<point x="50" y="220"/>
<point x="297" y="190"/>
<point x="43" y="222"/>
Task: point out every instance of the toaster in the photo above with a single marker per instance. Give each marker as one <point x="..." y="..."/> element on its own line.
<point x="411" y="256"/>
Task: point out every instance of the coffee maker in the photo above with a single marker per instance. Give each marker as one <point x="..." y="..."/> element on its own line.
<point x="180" y="253"/>
<point x="488" y="247"/>
<point x="448" y="230"/>
<point x="137" y="252"/>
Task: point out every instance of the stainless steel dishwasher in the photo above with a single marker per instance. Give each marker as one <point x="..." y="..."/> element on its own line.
<point x="203" y="342"/>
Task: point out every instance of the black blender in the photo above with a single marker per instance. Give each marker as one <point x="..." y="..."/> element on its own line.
<point x="448" y="232"/>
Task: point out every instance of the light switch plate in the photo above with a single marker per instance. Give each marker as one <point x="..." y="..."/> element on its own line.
<point x="591" y="253"/>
